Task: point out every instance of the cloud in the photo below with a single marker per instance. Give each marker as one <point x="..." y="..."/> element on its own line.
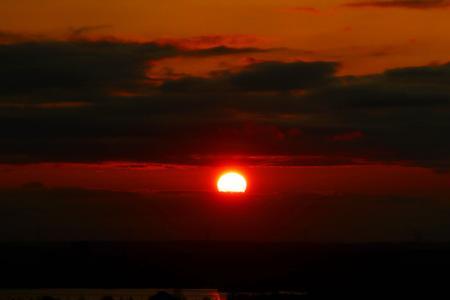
<point x="414" y="4"/>
<point x="262" y="76"/>
<point x="73" y="67"/>
<point x="74" y="70"/>
<point x="283" y="76"/>
<point x="224" y="50"/>
<point x="91" y="101"/>
<point x="212" y="41"/>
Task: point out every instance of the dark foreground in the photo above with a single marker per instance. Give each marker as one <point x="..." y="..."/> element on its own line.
<point x="318" y="269"/>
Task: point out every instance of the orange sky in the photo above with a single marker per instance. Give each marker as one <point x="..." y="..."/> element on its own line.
<point x="365" y="40"/>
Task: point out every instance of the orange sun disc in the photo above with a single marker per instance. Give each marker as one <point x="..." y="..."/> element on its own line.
<point x="232" y="182"/>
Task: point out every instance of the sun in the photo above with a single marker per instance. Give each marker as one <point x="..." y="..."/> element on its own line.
<point x="232" y="182"/>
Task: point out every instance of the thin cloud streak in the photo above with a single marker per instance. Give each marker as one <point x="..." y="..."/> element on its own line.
<point x="412" y="4"/>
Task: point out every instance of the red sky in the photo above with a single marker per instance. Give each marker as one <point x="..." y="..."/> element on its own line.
<point x="380" y="180"/>
<point x="313" y="96"/>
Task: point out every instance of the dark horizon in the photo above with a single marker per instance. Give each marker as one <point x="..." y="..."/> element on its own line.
<point x="34" y="212"/>
<point x="318" y="270"/>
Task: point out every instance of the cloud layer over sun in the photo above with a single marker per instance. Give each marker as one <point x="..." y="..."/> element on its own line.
<point x="92" y="101"/>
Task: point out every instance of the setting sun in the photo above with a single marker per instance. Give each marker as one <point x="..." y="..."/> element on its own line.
<point x="231" y="182"/>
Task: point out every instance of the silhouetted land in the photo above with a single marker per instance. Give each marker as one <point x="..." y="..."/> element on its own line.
<point x="319" y="269"/>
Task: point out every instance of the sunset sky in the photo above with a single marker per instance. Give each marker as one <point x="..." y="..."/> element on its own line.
<point x="347" y="102"/>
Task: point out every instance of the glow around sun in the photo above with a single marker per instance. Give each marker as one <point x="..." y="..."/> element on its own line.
<point x="232" y="182"/>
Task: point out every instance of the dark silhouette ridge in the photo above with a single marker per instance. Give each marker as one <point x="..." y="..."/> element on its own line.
<point x="234" y="267"/>
<point x="163" y="296"/>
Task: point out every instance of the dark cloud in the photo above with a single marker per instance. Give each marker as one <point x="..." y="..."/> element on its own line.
<point x="434" y="75"/>
<point x="34" y="212"/>
<point x="59" y="101"/>
<point x="79" y="69"/>
<point x="213" y="41"/>
<point x="415" y="4"/>
<point x="263" y="76"/>
<point x="223" y="50"/>
<point x="283" y="76"/>
<point x="76" y="67"/>
<point x="425" y="86"/>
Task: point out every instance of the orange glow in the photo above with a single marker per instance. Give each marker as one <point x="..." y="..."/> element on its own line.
<point x="232" y="182"/>
<point x="318" y="30"/>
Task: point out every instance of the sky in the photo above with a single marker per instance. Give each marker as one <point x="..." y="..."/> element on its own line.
<point x="331" y="109"/>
